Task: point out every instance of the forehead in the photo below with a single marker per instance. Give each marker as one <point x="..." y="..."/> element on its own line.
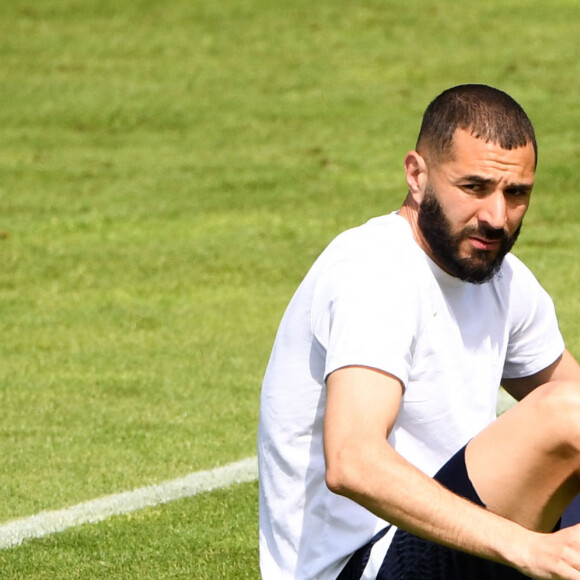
<point x="473" y="156"/>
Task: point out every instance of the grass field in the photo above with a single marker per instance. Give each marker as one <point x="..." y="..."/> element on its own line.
<point x="168" y="172"/>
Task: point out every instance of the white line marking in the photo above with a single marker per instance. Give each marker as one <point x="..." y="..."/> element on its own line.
<point x="49" y="522"/>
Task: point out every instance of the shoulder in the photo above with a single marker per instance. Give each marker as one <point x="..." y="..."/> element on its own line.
<point x="374" y="262"/>
<point x="514" y="274"/>
<point x="524" y="295"/>
<point x="385" y="240"/>
<point x="514" y="264"/>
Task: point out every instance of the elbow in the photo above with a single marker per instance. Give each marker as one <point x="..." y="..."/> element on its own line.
<point x="342" y="473"/>
<point x="335" y="481"/>
<point x="352" y="469"/>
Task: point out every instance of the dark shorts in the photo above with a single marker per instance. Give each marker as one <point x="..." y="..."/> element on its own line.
<point x="413" y="558"/>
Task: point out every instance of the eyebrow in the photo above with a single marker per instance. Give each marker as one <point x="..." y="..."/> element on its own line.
<point x="476" y="179"/>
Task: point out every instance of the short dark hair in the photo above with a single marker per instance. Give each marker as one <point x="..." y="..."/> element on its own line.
<point x="487" y="113"/>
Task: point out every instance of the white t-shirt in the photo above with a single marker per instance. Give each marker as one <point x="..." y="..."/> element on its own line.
<point x="374" y="298"/>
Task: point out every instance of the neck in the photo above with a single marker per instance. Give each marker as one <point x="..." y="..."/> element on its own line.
<point x="410" y="212"/>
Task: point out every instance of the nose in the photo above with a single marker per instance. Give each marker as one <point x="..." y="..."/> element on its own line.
<point x="493" y="211"/>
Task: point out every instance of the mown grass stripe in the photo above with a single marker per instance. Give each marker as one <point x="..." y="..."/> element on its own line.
<point x="50" y="522"/>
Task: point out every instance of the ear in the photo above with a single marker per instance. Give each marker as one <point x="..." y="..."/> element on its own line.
<point x="416" y="173"/>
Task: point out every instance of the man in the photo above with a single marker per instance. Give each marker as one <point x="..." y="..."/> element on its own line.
<point x="380" y="454"/>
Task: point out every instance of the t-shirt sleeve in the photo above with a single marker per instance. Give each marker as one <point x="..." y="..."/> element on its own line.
<point x="535" y="340"/>
<point x="368" y="316"/>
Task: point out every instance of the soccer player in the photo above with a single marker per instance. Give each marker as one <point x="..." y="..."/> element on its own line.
<point x="379" y="450"/>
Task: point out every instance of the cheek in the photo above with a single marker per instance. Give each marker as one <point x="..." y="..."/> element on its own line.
<point x="515" y="216"/>
<point x="463" y="211"/>
<point x="465" y="220"/>
<point x="460" y="215"/>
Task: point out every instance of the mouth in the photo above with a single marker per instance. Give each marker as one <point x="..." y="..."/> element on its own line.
<point x="485" y="244"/>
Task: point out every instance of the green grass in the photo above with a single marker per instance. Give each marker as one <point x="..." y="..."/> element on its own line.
<point x="206" y="537"/>
<point x="168" y="173"/>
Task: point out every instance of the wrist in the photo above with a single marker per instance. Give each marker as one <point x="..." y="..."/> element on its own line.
<point x="521" y="549"/>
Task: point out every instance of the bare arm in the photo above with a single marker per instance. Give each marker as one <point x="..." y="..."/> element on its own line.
<point x="565" y="368"/>
<point x="362" y="405"/>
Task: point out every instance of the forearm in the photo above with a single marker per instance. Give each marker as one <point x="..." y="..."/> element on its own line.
<point x="384" y="483"/>
<point x="362" y="465"/>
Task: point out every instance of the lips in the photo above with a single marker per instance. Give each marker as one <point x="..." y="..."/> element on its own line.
<point x="484" y="244"/>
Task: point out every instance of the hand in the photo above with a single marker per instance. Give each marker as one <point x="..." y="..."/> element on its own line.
<point x="554" y="556"/>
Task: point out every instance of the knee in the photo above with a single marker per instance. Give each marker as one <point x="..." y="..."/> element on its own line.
<point x="559" y="412"/>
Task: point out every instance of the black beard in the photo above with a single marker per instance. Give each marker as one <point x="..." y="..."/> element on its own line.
<point x="445" y="245"/>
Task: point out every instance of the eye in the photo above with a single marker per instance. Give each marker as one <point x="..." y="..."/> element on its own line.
<point x="475" y="188"/>
<point x="517" y="191"/>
